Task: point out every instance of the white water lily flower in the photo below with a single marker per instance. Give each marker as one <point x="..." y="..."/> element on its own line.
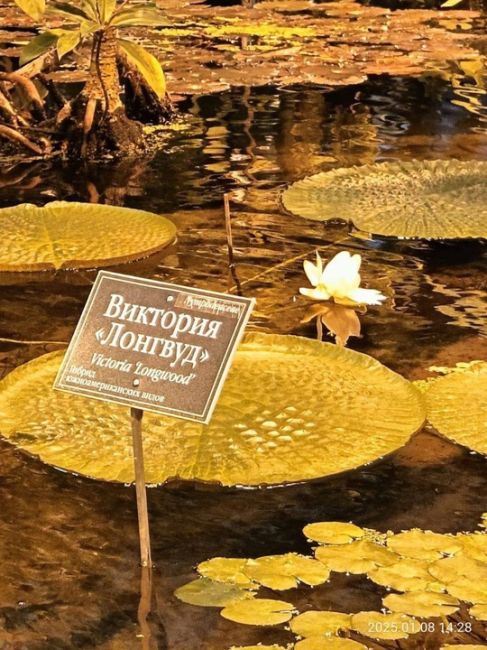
<point x="339" y="280"/>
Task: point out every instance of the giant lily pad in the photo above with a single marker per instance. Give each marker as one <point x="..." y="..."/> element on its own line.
<point x="457" y="406"/>
<point x="78" y="235"/>
<point x="432" y="199"/>
<point x="292" y="409"/>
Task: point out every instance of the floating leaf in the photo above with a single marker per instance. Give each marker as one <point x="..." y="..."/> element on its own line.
<point x="423" y="544"/>
<point x="259" y="611"/>
<point x="319" y="643"/>
<point x="284" y="571"/>
<point x="333" y="532"/>
<point x="207" y="593"/>
<point x="480" y="613"/>
<point x="432" y="199"/>
<point x="384" y="626"/>
<point x="312" y="624"/>
<point x="452" y="569"/>
<point x="406" y="575"/>
<point x="225" y="569"/>
<point x="361" y="556"/>
<point x="78" y="235"/>
<point x="468" y="590"/>
<point x="291" y="409"/>
<point x="457" y="406"/>
<point x="474" y="546"/>
<point x="423" y="604"/>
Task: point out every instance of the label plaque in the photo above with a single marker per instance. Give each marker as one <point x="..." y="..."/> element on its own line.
<point x="154" y="346"/>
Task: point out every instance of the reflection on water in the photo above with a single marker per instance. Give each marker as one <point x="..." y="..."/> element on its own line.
<point x="68" y="546"/>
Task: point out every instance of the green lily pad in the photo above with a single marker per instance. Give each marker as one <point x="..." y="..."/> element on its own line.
<point x="316" y="623"/>
<point x="406" y="575"/>
<point x="360" y="556"/>
<point x="286" y="571"/>
<point x="333" y="532"/>
<point x="432" y="199"/>
<point x="457" y="406"/>
<point x="207" y="593"/>
<point x="422" y="604"/>
<point x="259" y="611"/>
<point x="65" y="235"/>
<point x="423" y="544"/>
<point x="291" y="409"/>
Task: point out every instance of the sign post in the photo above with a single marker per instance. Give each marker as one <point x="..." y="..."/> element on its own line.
<point x="142" y="511"/>
<point x="153" y="346"/>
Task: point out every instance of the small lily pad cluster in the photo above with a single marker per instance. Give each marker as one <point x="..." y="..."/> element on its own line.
<point x="427" y="575"/>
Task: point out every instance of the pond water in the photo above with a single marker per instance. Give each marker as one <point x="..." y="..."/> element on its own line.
<point x="69" y="545"/>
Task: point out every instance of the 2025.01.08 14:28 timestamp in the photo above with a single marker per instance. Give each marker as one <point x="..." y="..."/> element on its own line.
<point x="413" y="627"/>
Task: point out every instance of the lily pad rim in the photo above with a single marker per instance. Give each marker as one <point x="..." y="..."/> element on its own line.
<point x="352" y="227"/>
<point x="250" y="338"/>
<point x="73" y="265"/>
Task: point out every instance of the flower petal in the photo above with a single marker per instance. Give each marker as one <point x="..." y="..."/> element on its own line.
<point x="313" y="271"/>
<point x="366" y="296"/>
<point x="319" y="293"/>
<point x="340" y="275"/>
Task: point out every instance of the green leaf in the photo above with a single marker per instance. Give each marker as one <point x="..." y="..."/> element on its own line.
<point x="67" y="42"/>
<point x="137" y="16"/>
<point x="33" y="8"/>
<point x="450" y="3"/>
<point x="38" y="46"/>
<point x="89" y="7"/>
<point x="106" y="8"/>
<point x="70" y="11"/>
<point x="147" y="64"/>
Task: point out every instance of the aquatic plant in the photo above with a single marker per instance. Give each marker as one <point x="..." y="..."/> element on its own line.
<point x="73" y="235"/>
<point x="426" y="569"/>
<point x="96" y="121"/>
<point x="291" y="409"/>
<point x="431" y="199"/>
<point x="457" y="406"/>
<point x="339" y="280"/>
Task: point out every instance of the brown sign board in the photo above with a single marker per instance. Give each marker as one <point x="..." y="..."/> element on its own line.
<point x="154" y="346"/>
